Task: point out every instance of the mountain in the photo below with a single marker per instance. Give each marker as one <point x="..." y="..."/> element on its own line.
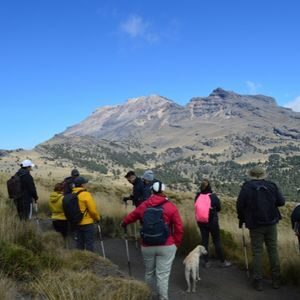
<point x="219" y="136"/>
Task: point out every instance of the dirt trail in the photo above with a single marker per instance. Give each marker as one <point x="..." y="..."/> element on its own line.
<point x="216" y="283"/>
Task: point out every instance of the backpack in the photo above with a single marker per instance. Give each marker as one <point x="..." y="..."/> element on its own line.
<point x="264" y="206"/>
<point x="71" y="208"/>
<point x="154" y="230"/>
<point x="14" y="187"/>
<point x="68" y="185"/>
<point x="202" y="208"/>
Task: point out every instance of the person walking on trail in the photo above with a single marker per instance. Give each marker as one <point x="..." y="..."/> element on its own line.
<point x="148" y="179"/>
<point x="158" y="253"/>
<point x="69" y="181"/>
<point x="59" y="220"/>
<point x="24" y="204"/>
<point x="137" y="189"/>
<point x="257" y="207"/>
<point x="295" y="219"/>
<point x="87" y="205"/>
<point x="207" y="206"/>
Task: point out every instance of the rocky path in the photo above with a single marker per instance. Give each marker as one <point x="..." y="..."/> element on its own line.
<point x="216" y="283"/>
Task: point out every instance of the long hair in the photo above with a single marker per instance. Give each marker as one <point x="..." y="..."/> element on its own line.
<point x="205" y="186"/>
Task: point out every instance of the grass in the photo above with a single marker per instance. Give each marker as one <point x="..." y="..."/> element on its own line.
<point x="59" y="269"/>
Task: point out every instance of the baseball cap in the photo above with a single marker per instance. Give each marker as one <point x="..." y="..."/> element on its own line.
<point x="27" y="163"/>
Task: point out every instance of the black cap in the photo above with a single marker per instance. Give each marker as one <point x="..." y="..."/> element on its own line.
<point x="130" y="173"/>
<point x="75" y="173"/>
<point x="79" y="181"/>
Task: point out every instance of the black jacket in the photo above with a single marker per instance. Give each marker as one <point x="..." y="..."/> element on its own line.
<point x="247" y="203"/>
<point x="215" y="207"/>
<point x="137" y="196"/>
<point x="295" y="217"/>
<point x="28" y="185"/>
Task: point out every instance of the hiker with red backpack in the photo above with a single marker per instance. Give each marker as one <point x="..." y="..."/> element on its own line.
<point x="22" y="189"/>
<point x="161" y="234"/>
<point x="89" y="214"/>
<point x="207" y="206"/>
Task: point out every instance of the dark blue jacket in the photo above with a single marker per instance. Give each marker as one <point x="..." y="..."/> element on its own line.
<point x="247" y="203"/>
<point x="295" y="217"/>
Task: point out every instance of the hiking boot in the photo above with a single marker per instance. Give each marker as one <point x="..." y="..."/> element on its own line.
<point x="225" y="264"/>
<point x="257" y="284"/>
<point x="207" y="265"/>
<point x="276" y="284"/>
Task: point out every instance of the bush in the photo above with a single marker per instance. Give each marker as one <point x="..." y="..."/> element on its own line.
<point x="18" y="262"/>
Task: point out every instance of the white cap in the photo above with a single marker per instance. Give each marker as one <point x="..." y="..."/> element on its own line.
<point x="27" y="163"/>
<point x="158" y="187"/>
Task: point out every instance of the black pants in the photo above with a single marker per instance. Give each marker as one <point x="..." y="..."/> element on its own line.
<point x="61" y="226"/>
<point x="24" y="208"/>
<point x="214" y="230"/>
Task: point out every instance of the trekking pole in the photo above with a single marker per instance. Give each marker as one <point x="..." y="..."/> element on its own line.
<point x="245" y="253"/>
<point x="135" y="236"/>
<point x="127" y="251"/>
<point x="101" y="240"/>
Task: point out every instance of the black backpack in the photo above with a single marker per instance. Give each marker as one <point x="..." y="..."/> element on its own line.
<point x="14" y="187"/>
<point x="71" y="208"/>
<point x="265" y="211"/>
<point x="154" y="230"/>
<point x="68" y="185"/>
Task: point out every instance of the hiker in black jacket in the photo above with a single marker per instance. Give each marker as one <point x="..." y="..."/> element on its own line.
<point x="24" y="204"/>
<point x="212" y="227"/>
<point x="295" y="219"/>
<point x="257" y="207"/>
<point x="137" y="190"/>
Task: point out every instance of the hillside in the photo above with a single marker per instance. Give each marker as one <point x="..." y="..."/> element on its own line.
<point x="219" y="136"/>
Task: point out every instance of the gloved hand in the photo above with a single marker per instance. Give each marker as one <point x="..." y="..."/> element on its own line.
<point x="241" y="223"/>
<point x="125" y="199"/>
<point x="123" y="225"/>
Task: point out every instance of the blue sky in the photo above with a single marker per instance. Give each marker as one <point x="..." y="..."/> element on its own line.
<point x="62" y="59"/>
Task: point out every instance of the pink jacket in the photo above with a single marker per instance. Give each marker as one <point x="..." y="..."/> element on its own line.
<point x="170" y="215"/>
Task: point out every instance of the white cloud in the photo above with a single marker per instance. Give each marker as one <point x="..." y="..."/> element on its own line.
<point x="253" y="87"/>
<point x="294" y="105"/>
<point x="136" y="27"/>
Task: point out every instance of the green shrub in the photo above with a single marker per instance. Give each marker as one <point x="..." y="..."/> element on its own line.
<point x="18" y="262"/>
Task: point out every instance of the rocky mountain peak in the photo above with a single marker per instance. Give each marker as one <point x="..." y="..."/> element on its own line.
<point x="221" y="93"/>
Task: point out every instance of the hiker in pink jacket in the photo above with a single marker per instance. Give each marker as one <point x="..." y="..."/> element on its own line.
<point x="207" y="206"/>
<point x="158" y="258"/>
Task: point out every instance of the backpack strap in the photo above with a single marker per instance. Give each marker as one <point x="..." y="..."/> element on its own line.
<point x="77" y="193"/>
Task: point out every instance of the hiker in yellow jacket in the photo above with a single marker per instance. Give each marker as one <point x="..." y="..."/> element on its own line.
<point x="58" y="217"/>
<point x="87" y="205"/>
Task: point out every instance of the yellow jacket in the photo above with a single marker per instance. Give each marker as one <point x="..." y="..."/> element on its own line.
<point x="87" y="204"/>
<point x="55" y="206"/>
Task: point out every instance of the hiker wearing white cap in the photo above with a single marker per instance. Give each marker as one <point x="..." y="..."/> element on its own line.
<point x="24" y="203"/>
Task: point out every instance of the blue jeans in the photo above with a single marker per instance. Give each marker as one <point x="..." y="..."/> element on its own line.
<point x="85" y="237"/>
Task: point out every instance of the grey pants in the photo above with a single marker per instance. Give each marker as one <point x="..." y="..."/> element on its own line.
<point x="158" y="262"/>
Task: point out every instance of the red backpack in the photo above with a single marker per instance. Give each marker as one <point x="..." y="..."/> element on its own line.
<point x="202" y="208"/>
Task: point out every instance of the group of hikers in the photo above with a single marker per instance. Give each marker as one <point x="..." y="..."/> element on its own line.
<point x="160" y="221"/>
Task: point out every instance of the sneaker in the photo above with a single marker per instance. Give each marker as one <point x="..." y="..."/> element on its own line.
<point x="225" y="264"/>
<point x="207" y="265"/>
<point x="257" y="284"/>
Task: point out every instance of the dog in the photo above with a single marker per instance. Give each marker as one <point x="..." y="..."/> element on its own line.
<point x="191" y="263"/>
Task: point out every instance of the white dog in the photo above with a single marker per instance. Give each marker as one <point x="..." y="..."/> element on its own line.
<point x="191" y="263"/>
